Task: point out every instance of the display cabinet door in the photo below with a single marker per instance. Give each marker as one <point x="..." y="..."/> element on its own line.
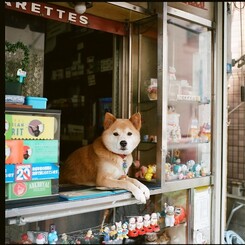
<point x="189" y="100"/>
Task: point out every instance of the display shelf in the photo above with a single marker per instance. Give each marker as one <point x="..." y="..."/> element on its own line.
<point x="28" y="214"/>
<point x="186" y="145"/>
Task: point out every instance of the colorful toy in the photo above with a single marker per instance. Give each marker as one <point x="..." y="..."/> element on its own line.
<point x="140" y="225"/>
<point x="147" y="223"/>
<point x="141" y="172"/>
<point x="132" y="228"/>
<point x="40" y="239"/>
<point x="179" y="215"/>
<point x="154" y="222"/>
<point x="169" y="215"/>
<point x="113" y="232"/>
<point x="64" y="239"/>
<point x="125" y="230"/>
<point x="151" y="170"/>
<point x="106" y="234"/>
<point x="52" y="236"/>
<point x="89" y="236"/>
<point x="119" y="230"/>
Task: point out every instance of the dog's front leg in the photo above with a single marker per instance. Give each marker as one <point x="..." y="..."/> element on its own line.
<point x="144" y="188"/>
<point x="123" y="183"/>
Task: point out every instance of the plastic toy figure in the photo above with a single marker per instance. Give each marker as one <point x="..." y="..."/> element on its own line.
<point x="151" y="170"/>
<point x="154" y="222"/>
<point x="140" y="226"/>
<point x="113" y="232"/>
<point x="132" y="228"/>
<point x="40" y="239"/>
<point x="52" y="236"/>
<point x="179" y="215"/>
<point x="169" y="215"/>
<point x="25" y="239"/>
<point x="125" y="230"/>
<point x="64" y="239"/>
<point x="119" y="230"/>
<point x="147" y="223"/>
<point x="89" y="236"/>
<point x="106" y="234"/>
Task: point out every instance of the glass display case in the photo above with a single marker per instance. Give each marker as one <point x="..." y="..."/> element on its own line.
<point x="189" y="100"/>
<point x="178" y="144"/>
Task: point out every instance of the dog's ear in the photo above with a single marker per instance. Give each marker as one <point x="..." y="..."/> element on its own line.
<point x="109" y="120"/>
<point x="136" y="120"/>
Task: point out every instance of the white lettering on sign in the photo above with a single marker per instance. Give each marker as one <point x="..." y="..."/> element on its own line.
<point x="35" y="8"/>
<point x="48" y="11"/>
<point x="72" y="17"/>
<point x="83" y="20"/>
<point x="61" y="12"/>
<point x="22" y="5"/>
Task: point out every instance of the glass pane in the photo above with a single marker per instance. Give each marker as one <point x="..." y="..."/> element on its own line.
<point x="189" y="107"/>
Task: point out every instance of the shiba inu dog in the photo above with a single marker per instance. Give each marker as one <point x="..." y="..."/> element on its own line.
<point x="105" y="162"/>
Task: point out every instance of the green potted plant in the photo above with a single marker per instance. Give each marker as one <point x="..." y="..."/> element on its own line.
<point x="16" y="63"/>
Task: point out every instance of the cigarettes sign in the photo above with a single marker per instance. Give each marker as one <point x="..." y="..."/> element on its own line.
<point x="67" y="15"/>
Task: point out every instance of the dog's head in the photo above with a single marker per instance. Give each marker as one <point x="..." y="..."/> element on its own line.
<point x="121" y="136"/>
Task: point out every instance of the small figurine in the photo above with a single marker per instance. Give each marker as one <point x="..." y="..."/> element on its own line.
<point x="125" y="230"/>
<point x="147" y="223"/>
<point x="171" y="73"/>
<point x="106" y="234"/>
<point x="40" y="239"/>
<point x="132" y="228"/>
<point x="151" y="170"/>
<point x="179" y="215"/>
<point x="64" y="239"/>
<point x="52" y="236"/>
<point x="196" y="169"/>
<point x="190" y="164"/>
<point x="113" y="232"/>
<point x="140" y="225"/>
<point x="169" y="215"/>
<point x="89" y="236"/>
<point x="25" y="239"/>
<point x="141" y="172"/>
<point x="154" y="222"/>
<point x="119" y="230"/>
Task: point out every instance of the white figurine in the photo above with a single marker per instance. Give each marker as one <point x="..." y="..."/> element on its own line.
<point x="169" y="218"/>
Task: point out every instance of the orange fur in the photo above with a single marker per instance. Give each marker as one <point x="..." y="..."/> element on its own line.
<point x="101" y="163"/>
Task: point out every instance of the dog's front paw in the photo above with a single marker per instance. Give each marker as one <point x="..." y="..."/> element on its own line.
<point x="139" y="195"/>
<point x="146" y="191"/>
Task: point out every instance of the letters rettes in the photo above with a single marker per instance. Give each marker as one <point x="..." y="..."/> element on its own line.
<point x="49" y="11"/>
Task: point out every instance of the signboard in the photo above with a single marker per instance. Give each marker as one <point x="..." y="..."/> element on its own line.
<point x="29" y="172"/>
<point x="59" y="13"/>
<point x="201" y="9"/>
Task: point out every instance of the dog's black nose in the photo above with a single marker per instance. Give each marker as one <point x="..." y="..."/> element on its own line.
<point x="123" y="143"/>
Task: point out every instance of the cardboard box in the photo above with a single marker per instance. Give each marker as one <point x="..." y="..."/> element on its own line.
<point x="30" y="172"/>
<point x="21" y="190"/>
<point x="31" y="151"/>
<point x="29" y="127"/>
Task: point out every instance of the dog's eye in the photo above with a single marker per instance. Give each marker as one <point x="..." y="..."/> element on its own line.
<point x="129" y="133"/>
<point x="115" y="134"/>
